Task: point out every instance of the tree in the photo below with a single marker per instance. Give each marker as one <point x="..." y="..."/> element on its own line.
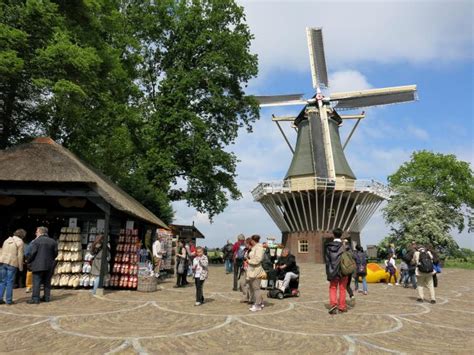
<point x="149" y="92"/>
<point x="196" y="60"/>
<point x="447" y="179"/>
<point x="420" y="217"/>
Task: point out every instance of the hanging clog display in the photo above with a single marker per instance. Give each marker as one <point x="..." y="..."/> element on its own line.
<point x="126" y="260"/>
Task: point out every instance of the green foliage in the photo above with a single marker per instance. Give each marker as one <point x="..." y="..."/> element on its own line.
<point x="194" y="61"/>
<point x="460" y="263"/>
<point x="418" y="216"/>
<point x="150" y="93"/>
<point x="442" y="176"/>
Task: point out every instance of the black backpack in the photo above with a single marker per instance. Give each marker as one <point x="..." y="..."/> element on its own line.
<point x="361" y="261"/>
<point x="425" y="263"/>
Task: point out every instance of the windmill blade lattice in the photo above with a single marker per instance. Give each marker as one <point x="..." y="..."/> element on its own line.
<point x="280" y="100"/>
<point x="375" y="97"/>
<point x="317" y="57"/>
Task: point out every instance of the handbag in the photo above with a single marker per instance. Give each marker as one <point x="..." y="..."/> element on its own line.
<point x="262" y="275"/>
<point x="180" y="269"/>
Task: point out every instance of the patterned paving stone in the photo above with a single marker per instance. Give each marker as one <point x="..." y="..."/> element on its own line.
<point x="388" y="320"/>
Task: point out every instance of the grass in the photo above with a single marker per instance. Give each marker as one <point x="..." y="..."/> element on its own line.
<point x="459" y="263"/>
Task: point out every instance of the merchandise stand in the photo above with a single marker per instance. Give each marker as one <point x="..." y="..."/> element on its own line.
<point x="125" y="268"/>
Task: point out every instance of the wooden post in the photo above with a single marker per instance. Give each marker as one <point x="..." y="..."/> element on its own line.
<point x="105" y="251"/>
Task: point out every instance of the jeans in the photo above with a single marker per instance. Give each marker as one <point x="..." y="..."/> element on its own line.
<point x="412" y="277"/>
<point x="404" y="277"/>
<point x="42" y="277"/>
<point x="340" y="282"/>
<point x="288" y="277"/>
<point x="7" y="278"/>
<point x="228" y="266"/>
<point x="96" y="284"/>
<point x="364" y="283"/>
<point x="199" y="292"/>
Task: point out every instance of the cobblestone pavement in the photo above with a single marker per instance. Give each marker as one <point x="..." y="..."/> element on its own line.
<point x="388" y="320"/>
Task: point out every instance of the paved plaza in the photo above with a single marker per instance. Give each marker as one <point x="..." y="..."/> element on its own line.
<point x="388" y="320"/>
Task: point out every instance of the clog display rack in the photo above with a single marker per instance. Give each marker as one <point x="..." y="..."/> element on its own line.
<point x="67" y="272"/>
<point x="73" y="264"/>
<point x="125" y="268"/>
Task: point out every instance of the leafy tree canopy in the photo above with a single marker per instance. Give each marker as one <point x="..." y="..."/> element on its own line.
<point x="149" y="92"/>
<point x="448" y="180"/>
<point x="418" y="216"/>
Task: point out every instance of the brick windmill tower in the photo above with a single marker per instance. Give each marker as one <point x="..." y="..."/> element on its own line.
<point x="320" y="192"/>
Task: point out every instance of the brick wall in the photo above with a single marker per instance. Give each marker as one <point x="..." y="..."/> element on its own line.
<point x="316" y="243"/>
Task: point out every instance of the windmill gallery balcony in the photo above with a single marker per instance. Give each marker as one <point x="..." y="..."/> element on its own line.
<point x="321" y="204"/>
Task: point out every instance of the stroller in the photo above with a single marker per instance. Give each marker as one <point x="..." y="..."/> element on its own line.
<point x="290" y="291"/>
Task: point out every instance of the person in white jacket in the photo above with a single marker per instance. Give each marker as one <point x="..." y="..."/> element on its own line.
<point x="254" y="272"/>
<point x="11" y="260"/>
<point x="157" y="256"/>
<point x="200" y="271"/>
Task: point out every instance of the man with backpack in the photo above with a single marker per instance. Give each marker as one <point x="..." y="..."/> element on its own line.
<point x="335" y="276"/>
<point x="409" y="258"/>
<point x="228" y="256"/>
<point x="238" y="252"/>
<point x="361" y="272"/>
<point x="424" y="273"/>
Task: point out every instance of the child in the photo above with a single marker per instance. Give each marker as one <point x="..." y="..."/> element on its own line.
<point x="391" y="268"/>
<point x="403" y="273"/>
<point x="200" y="270"/>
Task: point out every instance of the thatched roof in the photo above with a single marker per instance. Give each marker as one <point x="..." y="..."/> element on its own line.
<point x="186" y="231"/>
<point x="44" y="160"/>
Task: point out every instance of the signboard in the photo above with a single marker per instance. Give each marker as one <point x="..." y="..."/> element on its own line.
<point x="129" y="225"/>
<point x="72" y="222"/>
<point x="100" y="226"/>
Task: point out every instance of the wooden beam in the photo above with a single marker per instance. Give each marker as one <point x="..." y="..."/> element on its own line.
<point x="353" y="117"/>
<point x="105" y="250"/>
<point x="283" y="118"/>
<point x="47" y="192"/>
<point x="350" y="134"/>
<point x="284" y="136"/>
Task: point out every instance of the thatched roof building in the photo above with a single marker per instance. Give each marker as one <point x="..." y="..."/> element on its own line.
<point x="45" y="166"/>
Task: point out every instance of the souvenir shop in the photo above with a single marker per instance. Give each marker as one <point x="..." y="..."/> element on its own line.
<point x="44" y="184"/>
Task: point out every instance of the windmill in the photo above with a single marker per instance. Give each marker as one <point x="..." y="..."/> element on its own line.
<point x="319" y="191"/>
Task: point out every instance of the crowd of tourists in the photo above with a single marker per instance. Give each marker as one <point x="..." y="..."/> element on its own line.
<point x="249" y="260"/>
<point x="419" y="267"/>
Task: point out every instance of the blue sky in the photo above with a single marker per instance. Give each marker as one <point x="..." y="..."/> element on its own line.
<point x="368" y="45"/>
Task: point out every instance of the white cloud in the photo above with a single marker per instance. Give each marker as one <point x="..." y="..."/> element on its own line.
<point x="354" y="31"/>
<point x="418" y="133"/>
<point x="348" y="80"/>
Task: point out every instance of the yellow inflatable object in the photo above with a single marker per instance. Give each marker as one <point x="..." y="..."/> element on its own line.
<point x="375" y="273"/>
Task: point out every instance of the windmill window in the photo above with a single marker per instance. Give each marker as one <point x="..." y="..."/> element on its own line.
<point x="332" y="212"/>
<point x="303" y="246"/>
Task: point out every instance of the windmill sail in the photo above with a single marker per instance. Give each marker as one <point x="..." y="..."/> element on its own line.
<point x="280" y="100"/>
<point x="375" y="97"/>
<point x="317" y="58"/>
